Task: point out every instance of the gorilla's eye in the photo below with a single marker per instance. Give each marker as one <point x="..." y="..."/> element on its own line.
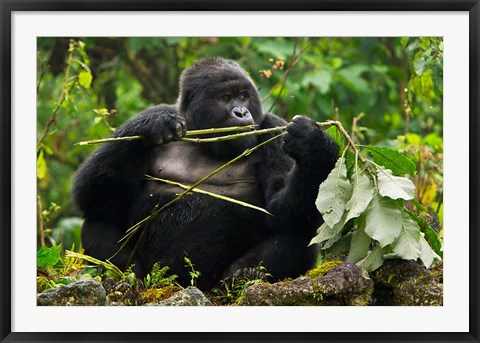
<point x="227" y="97"/>
<point x="243" y="96"/>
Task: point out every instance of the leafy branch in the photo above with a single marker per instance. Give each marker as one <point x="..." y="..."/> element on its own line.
<point x="360" y="215"/>
<point x="66" y="87"/>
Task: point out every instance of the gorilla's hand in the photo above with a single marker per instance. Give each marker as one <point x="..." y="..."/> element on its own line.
<point x="157" y="126"/>
<point x="305" y="141"/>
<point x="166" y="127"/>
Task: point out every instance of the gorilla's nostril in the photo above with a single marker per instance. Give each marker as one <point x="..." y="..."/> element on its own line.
<point x="240" y="113"/>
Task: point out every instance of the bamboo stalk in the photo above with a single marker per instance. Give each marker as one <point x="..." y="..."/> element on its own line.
<point x="234" y="136"/>
<point x="188" y="133"/>
<point x="112" y="139"/>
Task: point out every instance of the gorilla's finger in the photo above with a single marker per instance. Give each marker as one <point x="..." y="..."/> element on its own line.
<point x="168" y="136"/>
<point x="179" y="131"/>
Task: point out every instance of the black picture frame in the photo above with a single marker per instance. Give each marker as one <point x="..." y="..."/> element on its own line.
<point x="7" y="7"/>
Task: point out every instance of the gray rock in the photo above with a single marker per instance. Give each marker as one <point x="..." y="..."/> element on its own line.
<point x="343" y="285"/>
<point x="86" y="292"/>
<point x="190" y="296"/>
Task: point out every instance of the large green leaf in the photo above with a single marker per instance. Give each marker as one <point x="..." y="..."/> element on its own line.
<point x="395" y="187"/>
<point x="373" y="260"/>
<point x="383" y="220"/>
<point x="362" y="193"/>
<point x="430" y="235"/>
<point x="407" y="246"/>
<point x="48" y="256"/>
<point x="392" y="159"/>
<point x="325" y="233"/>
<point x="334" y="193"/>
<point x="358" y="246"/>
<point x="427" y="255"/>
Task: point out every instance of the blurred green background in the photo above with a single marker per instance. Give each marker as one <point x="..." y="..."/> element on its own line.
<point x="385" y="91"/>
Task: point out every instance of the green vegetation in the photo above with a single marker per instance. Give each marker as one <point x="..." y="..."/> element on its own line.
<point x="383" y="200"/>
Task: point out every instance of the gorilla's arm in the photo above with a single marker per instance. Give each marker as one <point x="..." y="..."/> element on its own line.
<point x="291" y="180"/>
<point x="111" y="177"/>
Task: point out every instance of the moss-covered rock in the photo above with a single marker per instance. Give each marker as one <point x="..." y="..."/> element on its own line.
<point x="345" y="284"/>
<point x="322" y="269"/>
<point x="406" y="283"/>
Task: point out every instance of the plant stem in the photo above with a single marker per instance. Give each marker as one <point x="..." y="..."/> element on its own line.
<point x="112" y="139"/>
<point x="188" y="133"/>
<point x="219" y="129"/>
<point x="218" y="196"/>
<point x="41" y="224"/>
<point x="351" y="144"/>
<point x="234" y="136"/>
<point x="108" y="265"/>
<point x="61" y="97"/>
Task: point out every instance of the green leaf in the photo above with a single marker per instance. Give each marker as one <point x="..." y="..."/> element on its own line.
<point x="48" y="256"/>
<point x="320" y="79"/>
<point x="383" y="220"/>
<point x="394" y="187"/>
<point x="373" y="260"/>
<point x="407" y="246"/>
<point x="41" y="165"/>
<point x="279" y="91"/>
<point x="362" y="193"/>
<point x="325" y="233"/>
<point x="81" y="50"/>
<point x="333" y="132"/>
<point x="358" y="246"/>
<point x="342" y="246"/>
<point x="427" y="255"/>
<point x="85" y="79"/>
<point x="351" y="76"/>
<point x="430" y="235"/>
<point x="392" y="159"/>
<point x="334" y="193"/>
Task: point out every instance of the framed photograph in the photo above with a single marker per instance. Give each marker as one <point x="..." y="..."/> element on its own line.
<point x="390" y="89"/>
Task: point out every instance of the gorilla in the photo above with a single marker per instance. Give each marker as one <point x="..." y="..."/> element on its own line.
<point x="219" y="237"/>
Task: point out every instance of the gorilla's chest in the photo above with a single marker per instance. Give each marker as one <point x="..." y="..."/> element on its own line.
<point x="186" y="163"/>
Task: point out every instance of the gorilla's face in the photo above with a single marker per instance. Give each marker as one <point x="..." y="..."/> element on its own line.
<point x="215" y="92"/>
<point x="230" y="104"/>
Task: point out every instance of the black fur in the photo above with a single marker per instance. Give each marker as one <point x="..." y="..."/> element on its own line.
<point x="219" y="237"/>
